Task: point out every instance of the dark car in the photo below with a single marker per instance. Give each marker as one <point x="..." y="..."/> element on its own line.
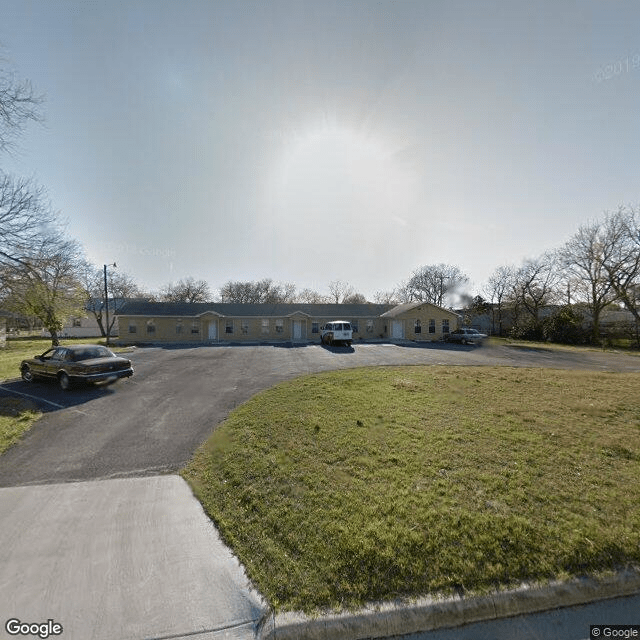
<point x="78" y="363"/>
<point x="466" y="336"/>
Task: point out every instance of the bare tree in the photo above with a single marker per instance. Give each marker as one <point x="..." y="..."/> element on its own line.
<point x="120" y="286"/>
<point x="386" y="297"/>
<point x="187" y="290"/>
<point x="534" y="286"/>
<point x="339" y="290"/>
<point x="18" y="105"/>
<point x="256" y="292"/>
<point x="282" y="293"/>
<point x="25" y="217"/>
<point x="24" y="211"/>
<point x="435" y="283"/>
<point x="355" y="298"/>
<point x="310" y="296"/>
<point x="498" y="288"/>
<point x="621" y="256"/>
<point x="582" y="258"/>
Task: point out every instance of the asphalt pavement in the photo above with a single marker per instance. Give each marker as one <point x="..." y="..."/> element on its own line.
<point x="100" y="537"/>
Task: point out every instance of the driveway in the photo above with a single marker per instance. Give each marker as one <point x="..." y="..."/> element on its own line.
<point x="152" y="423"/>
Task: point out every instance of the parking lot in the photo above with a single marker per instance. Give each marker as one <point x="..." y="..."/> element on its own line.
<point x="152" y="423"/>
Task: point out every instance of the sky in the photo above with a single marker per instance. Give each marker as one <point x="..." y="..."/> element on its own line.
<point x="310" y="141"/>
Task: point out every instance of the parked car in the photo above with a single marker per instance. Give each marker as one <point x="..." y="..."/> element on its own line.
<point x="336" y="332"/>
<point x="466" y="336"/>
<point x="78" y="363"/>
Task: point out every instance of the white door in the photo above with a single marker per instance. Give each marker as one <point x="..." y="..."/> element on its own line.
<point x="396" y="329"/>
<point x="297" y="330"/>
<point x="213" y="330"/>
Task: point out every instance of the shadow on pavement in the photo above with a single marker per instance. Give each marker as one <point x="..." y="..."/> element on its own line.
<point x="49" y="397"/>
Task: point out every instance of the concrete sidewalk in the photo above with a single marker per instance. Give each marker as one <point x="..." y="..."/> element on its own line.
<point x="120" y="559"/>
<point x="138" y="559"/>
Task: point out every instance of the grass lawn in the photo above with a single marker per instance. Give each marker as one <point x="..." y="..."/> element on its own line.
<point x="624" y="346"/>
<point x="361" y="485"/>
<point x="18" y="414"/>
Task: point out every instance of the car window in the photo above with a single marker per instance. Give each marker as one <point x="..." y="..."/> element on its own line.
<point x="59" y="354"/>
<point x="91" y="352"/>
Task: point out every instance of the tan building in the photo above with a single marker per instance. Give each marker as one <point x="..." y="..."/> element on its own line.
<point x="166" y="322"/>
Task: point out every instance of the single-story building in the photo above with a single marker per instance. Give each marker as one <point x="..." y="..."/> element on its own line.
<point x="162" y="322"/>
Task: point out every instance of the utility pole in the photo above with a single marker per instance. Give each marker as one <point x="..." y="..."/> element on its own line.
<point x="106" y="300"/>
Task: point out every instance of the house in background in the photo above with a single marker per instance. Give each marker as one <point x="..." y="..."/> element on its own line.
<point x="86" y="325"/>
<point x="81" y="327"/>
<point x="166" y="322"/>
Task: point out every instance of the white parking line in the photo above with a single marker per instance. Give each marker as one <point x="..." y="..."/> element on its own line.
<point x="27" y="395"/>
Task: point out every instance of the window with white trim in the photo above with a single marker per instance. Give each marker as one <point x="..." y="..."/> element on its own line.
<point x="279" y="326"/>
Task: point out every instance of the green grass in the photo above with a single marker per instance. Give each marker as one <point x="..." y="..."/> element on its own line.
<point x="16" y="416"/>
<point x="361" y="485"/>
<point x="627" y="346"/>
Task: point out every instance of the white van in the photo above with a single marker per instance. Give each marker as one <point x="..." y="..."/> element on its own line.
<point x="336" y="332"/>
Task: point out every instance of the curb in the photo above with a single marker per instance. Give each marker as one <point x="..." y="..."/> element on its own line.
<point x="428" y="614"/>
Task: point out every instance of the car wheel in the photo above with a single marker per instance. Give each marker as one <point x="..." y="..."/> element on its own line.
<point x="65" y="381"/>
<point x="27" y="374"/>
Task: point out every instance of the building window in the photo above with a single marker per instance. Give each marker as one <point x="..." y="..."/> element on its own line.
<point x="151" y="327"/>
<point x="432" y="326"/>
<point x="369" y="326"/>
<point x="445" y="327"/>
<point x="133" y="328"/>
<point x="244" y="327"/>
<point x="279" y="326"/>
<point x="178" y="328"/>
<point x="229" y="326"/>
<point x="77" y="322"/>
<point x="265" y="325"/>
<point x="354" y="327"/>
<point x="417" y="327"/>
<point x="195" y="327"/>
<point x="315" y="327"/>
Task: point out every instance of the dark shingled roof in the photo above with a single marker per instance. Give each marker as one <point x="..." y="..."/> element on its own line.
<point x="231" y="309"/>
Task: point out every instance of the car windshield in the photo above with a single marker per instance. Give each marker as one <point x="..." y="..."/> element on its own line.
<point x="88" y="353"/>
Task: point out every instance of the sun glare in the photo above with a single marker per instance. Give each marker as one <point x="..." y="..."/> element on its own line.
<point x="338" y="171"/>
